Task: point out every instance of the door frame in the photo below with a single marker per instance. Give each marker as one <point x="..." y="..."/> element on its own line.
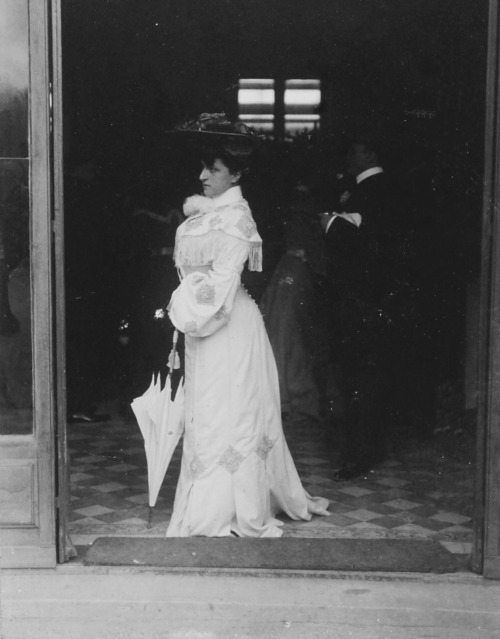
<point x="486" y="546"/>
<point x="65" y="549"/>
<point x="486" y="555"/>
<point x="32" y="544"/>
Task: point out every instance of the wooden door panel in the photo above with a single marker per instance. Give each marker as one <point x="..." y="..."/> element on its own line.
<point x="17" y="496"/>
<point x="27" y="440"/>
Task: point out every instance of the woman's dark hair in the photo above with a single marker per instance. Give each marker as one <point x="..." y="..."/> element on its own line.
<point x="235" y="155"/>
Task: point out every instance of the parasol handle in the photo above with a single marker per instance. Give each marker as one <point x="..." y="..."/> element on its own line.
<point x="173" y="353"/>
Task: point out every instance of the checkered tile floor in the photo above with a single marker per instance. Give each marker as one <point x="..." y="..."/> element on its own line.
<point x="422" y="494"/>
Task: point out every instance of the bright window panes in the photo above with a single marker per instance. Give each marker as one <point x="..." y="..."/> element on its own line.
<point x="256" y="104"/>
<point x="302" y="99"/>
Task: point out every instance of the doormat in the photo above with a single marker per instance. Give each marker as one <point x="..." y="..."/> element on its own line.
<point x="285" y="553"/>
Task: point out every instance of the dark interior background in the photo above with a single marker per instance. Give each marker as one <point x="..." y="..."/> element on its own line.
<point x="409" y="72"/>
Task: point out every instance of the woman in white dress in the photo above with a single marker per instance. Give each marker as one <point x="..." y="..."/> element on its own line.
<point x="236" y="472"/>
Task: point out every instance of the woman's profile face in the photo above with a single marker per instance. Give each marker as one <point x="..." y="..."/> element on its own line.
<point x="216" y="179"/>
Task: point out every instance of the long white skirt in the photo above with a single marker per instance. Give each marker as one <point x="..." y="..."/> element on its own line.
<point x="236" y="472"/>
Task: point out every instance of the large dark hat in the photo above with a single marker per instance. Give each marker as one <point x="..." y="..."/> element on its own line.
<point x="215" y="123"/>
<point x="216" y="129"/>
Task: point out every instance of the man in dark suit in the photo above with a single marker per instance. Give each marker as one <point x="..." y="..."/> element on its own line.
<point x="361" y="243"/>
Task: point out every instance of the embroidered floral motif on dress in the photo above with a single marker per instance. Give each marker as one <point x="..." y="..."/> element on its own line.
<point x="264" y="447"/>
<point x="241" y="207"/>
<point x="195" y="222"/>
<point x="190" y="326"/>
<point x="246" y="225"/>
<point x="221" y="314"/>
<point x="197" y="467"/>
<point x="215" y="221"/>
<point x="230" y="460"/>
<point x="286" y="280"/>
<point x="206" y="295"/>
<point x="198" y="278"/>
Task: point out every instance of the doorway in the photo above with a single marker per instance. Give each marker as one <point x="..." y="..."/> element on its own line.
<point x="116" y="164"/>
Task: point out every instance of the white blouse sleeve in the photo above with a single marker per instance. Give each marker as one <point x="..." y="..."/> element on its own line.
<point x="203" y="301"/>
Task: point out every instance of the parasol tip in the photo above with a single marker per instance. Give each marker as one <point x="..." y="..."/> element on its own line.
<point x="150" y="518"/>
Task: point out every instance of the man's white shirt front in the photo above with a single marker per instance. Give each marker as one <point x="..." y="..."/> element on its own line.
<point x="355" y="218"/>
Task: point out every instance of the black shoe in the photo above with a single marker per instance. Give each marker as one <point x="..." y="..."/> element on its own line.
<point x="348" y="472"/>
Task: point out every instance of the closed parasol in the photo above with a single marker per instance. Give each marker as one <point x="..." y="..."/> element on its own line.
<point x="161" y="420"/>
